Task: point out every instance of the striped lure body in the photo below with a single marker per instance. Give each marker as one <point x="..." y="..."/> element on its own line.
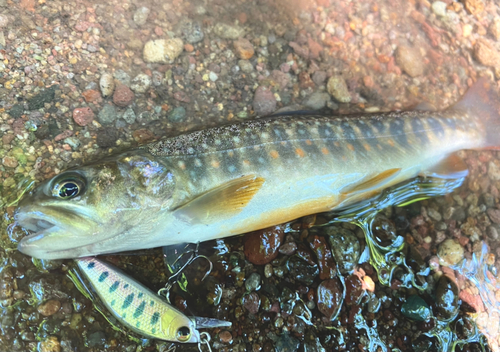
<point x="242" y="177"/>
<point x="137" y="307"/>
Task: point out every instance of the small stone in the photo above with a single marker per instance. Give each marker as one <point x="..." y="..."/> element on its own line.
<point x="9" y="161"/>
<point x="129" y="116"/>
<point x="494" y="215"/>
<point x="228" y="31"/>
<point x="73" y="142"/>
<point x="450" y="252"/>
<point x="177" y="114"/>
<point x="317" y="100"/>
<point x="213" y="76"/>
<point x="319" y="77"/>
<point x="191" y="31"/>
<point x="106" y="137"/>
<point x="251" y="302"/>
<point x="225" y="337"/>
<point x="416" y="308"/>
<point x="288" y="248"/>
<point x="493" y="171"/>
<point x="302" y="271"/>
<point x="107" y="115"/>
<point x="286" y="343"/>
<point x="245" y="66"/>
<point x="495" y="28"/>
<point x="410" y="60"/>
<point x="337" y="88"/>
<point x="446" y="304"/>
<point x="49" y="308"/>
<point x="327" y="267"/>
<point x="492" y="233"/>
<point x="44" y="97"/>
<point x="434" y="214"/>
<point x="261" y="247"/>
<point x="253" y="282"/>
<point x="122" y="77"/>
<point x="141" y="83"/>
<point x="329" y="298"/>
<point x="354" y="290"/>
<point x="243" y="48"/>
<point x="264" y="101"/>
<point x="163" y="50"/>
<point x="92" y="96"/>
<point x="467" y="30"/>
<point x="16" y="111"/>
<point x="123" y="96"/>
<point x="107" y="84"/>
<point x="485" y="53"/>
<point x="345" y="247"/>
<point x="268" y="270"/>
<point x="141" y="15"/>
<point x="474" y="6"/>
<point x="50" y="344"/>
<point x="96" y="339"/>
<point x="4" y="21"/>
<point x="439" y="8"/>
<point x="83" y="116"/>
<point x="143" y="136"/>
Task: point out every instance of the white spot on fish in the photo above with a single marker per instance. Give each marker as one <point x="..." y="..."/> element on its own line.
<point x="289" y="132"/>
<point x="181" y="164"/>
<point x="301" y="131"/>
<point x="264" y="135"/>
<point x="217" y="142"/>
<point x="197" y="162"/>
<point x="231" y="168"/>
<point x="205" y="146"/>
<point x="190" y="150"/>
<point x="236" y="139"/>
<point x="262" y="160"/>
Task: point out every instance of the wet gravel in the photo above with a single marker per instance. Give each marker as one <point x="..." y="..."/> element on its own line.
<point x="79" y="80"/>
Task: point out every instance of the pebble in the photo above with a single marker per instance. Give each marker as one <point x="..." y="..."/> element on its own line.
<point x="163" y="50"/>
<point x="141" y="83"/>
<point x="9" y="161"/>
<point x="16" y="111"/>
<point x="327" y="267"/>
<point x="50" y="344"/>
<point x="228" y="31"/>
<point x="354" y="290"/>
<point x="337" y="88"/>
<point x="261" y="247"/>
<point x="251" y="302"/>
<point x="225" y="337"/>
<point x="92" y="96"/>
<point x="439" y="8"/>
<point x="96" y="339"/>
<point x="495" y="28"/>
<point x="410" y="60"/>
<point x="123" y="96"/>
<point x="122" y="77"/>
<point x="474" y="6"/>
<point x="317" y="100"/>
<point x="485" y="53"/>
<point x="446" y="304"/>
<point x="493" y="171"/>
<point x="302" y="271"/>
<point x="213" y="76"/>
<point x="492" y="233"/>
<point x="494" y="215"/>
<point x="107" y="84"/>
<point x="319" y="77"/>
<point x="243" y="48"/>
<point x="4" y="21"/>
<point x="245" y="66"/>
<point x="177" y="114"/>
<point x="83" y="116"/>
<point x="329" y="298"/>
<point x="416" y="308"/>
<point x="287" y="343"/>
<point x="345" y="248"/>
<point x="268" y="271"/>
<point x="141" y="16"/>
<point x="191" y="31"/>
<point x="264" y="101"/>
<point x="107" y="115"/>
<point x="49" y="308"/>
<point x="129" y="116"/>
<point x="253" y="282"/>
<point x="450" y="252"/>
<point x="44" y="97"/>
<point x="434" y="214"/>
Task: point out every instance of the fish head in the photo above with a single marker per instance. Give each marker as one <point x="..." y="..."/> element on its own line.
<point x="95" y="209"/>
<point x="175" y="326"/>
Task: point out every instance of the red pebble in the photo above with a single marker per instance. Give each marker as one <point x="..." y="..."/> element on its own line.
<point x="123" y="96"/>
<point x="261" y="247"/>
<point x="83" y="116"/>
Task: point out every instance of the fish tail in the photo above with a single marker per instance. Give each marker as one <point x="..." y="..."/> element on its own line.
<point x="482" y="103"/>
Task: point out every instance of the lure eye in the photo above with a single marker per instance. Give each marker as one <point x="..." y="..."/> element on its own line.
<point x="183" y="334"/>
<point x="67" y="188"/>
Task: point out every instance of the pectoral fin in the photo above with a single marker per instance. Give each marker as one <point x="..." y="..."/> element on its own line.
<point x="222" y="202"/>
<point x="451" y="167"/>
<point x="376" y="182"/>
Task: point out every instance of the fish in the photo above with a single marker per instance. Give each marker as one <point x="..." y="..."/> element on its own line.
<point x="140" y="309"/>
<point x="250" y="175"/>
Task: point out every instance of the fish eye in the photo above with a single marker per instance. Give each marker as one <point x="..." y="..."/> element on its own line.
<point x="183" y="334"/>
<point x="68" y="187"/>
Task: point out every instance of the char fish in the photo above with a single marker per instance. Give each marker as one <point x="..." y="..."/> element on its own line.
<point x="246" y="176"/>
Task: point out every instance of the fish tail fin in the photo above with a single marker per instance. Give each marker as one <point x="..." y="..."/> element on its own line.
<point x="482" y="103"/>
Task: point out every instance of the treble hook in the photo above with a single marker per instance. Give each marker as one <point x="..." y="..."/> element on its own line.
<point x="173" y="279"/>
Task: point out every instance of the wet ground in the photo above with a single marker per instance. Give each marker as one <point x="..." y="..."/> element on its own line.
<point x="81" y="79"/>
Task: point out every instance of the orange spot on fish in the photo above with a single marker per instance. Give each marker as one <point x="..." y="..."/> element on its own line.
<point x="230" y="153"/>
<point x="367" y="147"/>
<point x="182" y="166"/>
<point x="390" y="142"/>
<point x="350" y="147"/>
<point x="274" y="154"/>
<point x="246" y="162"/>
<point x="337" y="144"/>
<point x="215" y="164"/>
<point x="324" y="151"/>
<point x="300" y="152"/>
<point x="308" y="142"/>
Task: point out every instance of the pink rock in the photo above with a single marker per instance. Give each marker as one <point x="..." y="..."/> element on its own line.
<point x="82" y="26"/>
<point x="63" y="135"/>
<point x="83" y="116"/>
<point x="474" y="301"/>
<point x="123" y="96"/>
<point x="314" y="48"/>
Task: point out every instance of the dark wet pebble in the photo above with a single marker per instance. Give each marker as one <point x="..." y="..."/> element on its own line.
<point x="251" y="302"/>
<point x="261" y="247"/>
<point x="329" y="297"/>
<point x="253" y="282"/>
<point x="446" y="304"/>
<point x="107" y="115"/>
<point x="39" y="100"/>
<point x="288" y="248"/>
<point x="107" y="137"/>
<point x="416" y="308"/>
<point x="287" y="343"/>
<point x="354" y="290"/>
<point x="45" y="288"/>
<point x="327" y="267"/>
<point x="177" y="114"/>
<point x="302" y="271"/>
<point x="49" y="308"/>
<point x="96" y="339"/>
<point x="264" y="101"/>
<point x="384" y="232"/>
<point x="16" y="111"/>
<point x="345" y="248"/>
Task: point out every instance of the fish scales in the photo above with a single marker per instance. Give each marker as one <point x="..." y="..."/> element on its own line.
<point x="249" y="175"/>
<point x="133" y="304"/>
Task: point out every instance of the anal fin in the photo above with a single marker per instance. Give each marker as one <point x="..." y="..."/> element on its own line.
<point x="222" y="202"/>
<point x="451" y="167"/>
<point x="376" y="182"/>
